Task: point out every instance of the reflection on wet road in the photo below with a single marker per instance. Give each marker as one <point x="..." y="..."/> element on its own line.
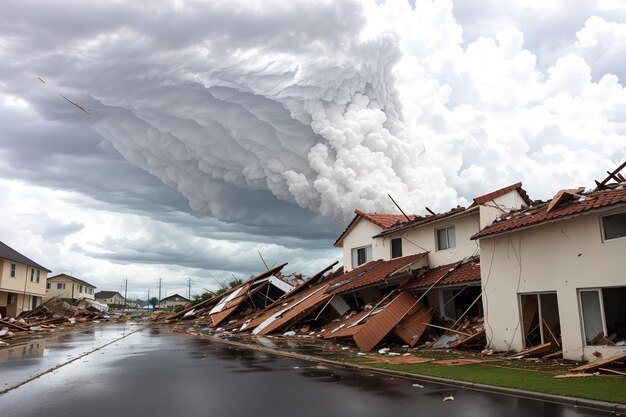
<point x="22" y="362"/>
<point x="157" y="373"/>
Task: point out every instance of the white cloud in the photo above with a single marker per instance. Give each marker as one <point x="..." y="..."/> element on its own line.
<point x="250" y="111"/>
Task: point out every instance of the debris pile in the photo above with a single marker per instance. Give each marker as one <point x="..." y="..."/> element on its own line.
<point x="381" y="302"/>
<point x="52" y="314"/>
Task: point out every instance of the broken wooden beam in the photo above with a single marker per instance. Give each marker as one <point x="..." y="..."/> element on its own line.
<point x="600" y="363"/>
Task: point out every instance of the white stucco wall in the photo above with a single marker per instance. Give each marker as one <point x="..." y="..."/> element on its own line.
<point x="563" y="257"/>
<point x="499" y="205"/>
<point x="465" y="227"/>
<point x="360" y="235"/>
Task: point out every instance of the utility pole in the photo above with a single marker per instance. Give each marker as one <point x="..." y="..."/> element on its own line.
<point x="160" y="281"/>
<point x="189" y="288"/>
<point x="125" y="293"/>
<point x="148" y="301"/>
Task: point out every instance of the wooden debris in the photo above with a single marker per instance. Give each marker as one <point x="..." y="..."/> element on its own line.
<point x="470" y="339"/>
<point x="612" y="371"/>
<point x="553" y="355"/>
<point x="457" y="362"/>
<point x="564" y="195"/>
<point x="600" y="363"/>
<point x="542" y="349"/>
<point x="580" y="375"/>
<point x="396" y="360"/>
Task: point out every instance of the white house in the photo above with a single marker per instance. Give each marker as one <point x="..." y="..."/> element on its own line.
<point x="444" y="240"/>
<point x="557" y="273"/>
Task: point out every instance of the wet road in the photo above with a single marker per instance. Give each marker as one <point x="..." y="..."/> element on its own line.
<point x="157" y="373"/>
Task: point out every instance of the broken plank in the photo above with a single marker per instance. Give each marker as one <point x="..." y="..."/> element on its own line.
<point x="600" y="363"/>
<point x="448" y="329"/>
<point x="473" y="338"/>
<point x="581" y="375"/>
<point x="613" y="371"/>
<point x="537" y="350"/>
<point x="15" y="326"/>
<point x="553" y="355"/>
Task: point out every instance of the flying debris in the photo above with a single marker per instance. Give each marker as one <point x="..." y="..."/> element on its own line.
<point x="75" y="104"/>
<point x="40" y="79"/>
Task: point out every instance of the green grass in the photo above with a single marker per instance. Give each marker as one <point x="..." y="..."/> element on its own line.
<point x="600" y="388"/>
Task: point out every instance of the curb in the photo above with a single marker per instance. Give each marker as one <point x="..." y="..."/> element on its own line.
<point x="613" y="408"/>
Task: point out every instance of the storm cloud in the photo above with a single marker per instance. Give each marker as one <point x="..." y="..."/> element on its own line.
<point x="257" y="125"/>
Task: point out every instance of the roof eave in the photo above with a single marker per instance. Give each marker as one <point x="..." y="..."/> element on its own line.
<point x="468" y="210"/>
<point x="558" y="219"/>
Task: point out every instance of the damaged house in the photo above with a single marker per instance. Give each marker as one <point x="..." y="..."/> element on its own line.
<point x="253" y="295"/>
<point x="424" y="267"/>
<point x="442" y="240"/>
<point x="22" y="282"/>
<point x="556" y="275"/>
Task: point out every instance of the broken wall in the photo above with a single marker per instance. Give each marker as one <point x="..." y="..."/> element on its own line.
<point x="564" y="257"/>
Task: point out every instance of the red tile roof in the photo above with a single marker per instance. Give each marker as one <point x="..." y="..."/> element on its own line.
<point x="381" y="220"/>
<point x="502" y="191"/>
<point x="466" y="272"/>
<point x="422" y="220"/>
<point x="372" y="273"/>
<point x="537" y="215"/>
<point x="384" y="220"/>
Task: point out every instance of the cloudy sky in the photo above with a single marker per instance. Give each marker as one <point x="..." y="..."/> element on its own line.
<point x="216" y="129"/>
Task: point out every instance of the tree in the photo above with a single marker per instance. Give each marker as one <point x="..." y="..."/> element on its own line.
<point x="223" y="286"/>
<point x="153" y="302"/>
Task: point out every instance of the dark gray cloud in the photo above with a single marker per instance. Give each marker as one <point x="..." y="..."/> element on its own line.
<point x="58" y="232"/>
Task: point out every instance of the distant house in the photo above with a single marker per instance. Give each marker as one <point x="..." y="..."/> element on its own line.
<point x="69" y="287"/>
<point x="109" y="297"/>
<point x="557" y="274"/>
<point x="173" y="301"/>
<point x="22" y="282"/>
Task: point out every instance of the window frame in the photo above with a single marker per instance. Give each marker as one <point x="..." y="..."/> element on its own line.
<point x="602" y="231"/>
<point x="446" y="228"/>
<point x="396" y="239"/>
<point x="60" y="285"/>
<point x="13" y="271"/>
<point x="352" y="255"/>
<point x="597" y="290"/>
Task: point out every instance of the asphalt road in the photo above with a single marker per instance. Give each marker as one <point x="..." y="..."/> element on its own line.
<point x="156" y="373"/>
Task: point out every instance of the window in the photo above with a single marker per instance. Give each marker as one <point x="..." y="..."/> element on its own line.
<point x="47" y="285"/>
<point x="11" y="299"/>
<point x="446" y="238"/>
<point x="603" y="315"/>
<point x="540" y="318"/>
<point x="614" y="226"/>
<point x="34" y="275"/>
<point x="60" y="285"/>
<point x="361" y="255"/>
<point x="13" y="270"/>
<point x="396" y="248"/>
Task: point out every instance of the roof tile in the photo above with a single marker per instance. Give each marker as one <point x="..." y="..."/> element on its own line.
<point x="537" y="215"/>
<point x="502" y="191"/>
<point x="371" y="273"/>
<point x="466" y="272"/>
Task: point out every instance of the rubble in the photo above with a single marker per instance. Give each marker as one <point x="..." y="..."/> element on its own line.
<point x="49" y="315"/>
<point x="343" y="307"/>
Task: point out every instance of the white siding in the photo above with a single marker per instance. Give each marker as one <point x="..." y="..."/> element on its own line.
<point x="563" y="256"/>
